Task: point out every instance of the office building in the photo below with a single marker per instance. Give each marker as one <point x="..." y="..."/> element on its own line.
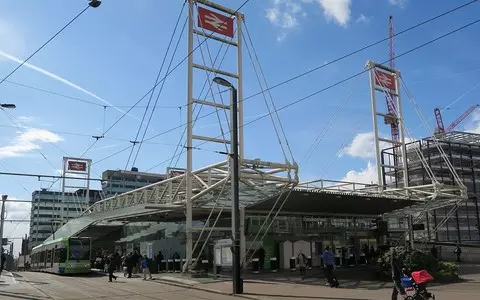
<point x="122" y="181"/>
<point x="463" y="151"/>
<point x="50" y="209"/>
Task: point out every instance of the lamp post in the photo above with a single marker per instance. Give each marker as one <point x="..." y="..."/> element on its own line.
<point x="7" y="105"/>
<point x="237" y="280"/>
<point x="2" y="220"/>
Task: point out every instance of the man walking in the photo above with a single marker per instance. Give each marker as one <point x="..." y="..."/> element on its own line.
<point x="396" y="275"/>
<point x="329" y="260"/>
<point x="146" y="271"/>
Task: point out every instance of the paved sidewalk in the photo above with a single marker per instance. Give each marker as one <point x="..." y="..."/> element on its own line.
<point x="6" y="278"/>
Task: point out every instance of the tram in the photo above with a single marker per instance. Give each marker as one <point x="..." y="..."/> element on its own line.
<point x="63" y="256"/>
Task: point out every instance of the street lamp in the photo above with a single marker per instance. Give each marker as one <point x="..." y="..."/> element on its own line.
<point x="7" y="105"/>
<point x="237" y="280"/>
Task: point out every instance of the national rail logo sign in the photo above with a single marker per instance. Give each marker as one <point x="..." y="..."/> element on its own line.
<point x="385" y="80"/>
<point x="215" y="22"/>
<point x="77" y="166"/>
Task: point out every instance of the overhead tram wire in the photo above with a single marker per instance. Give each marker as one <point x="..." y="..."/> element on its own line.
<point x="165" y="77"/>
<point x="323" y="89"/>
<point x="156" y="81"/>
<point x="293" y="78"/>
<point x="75" y="98"/>
<point x="44" y="44"/>
<point x="161" y="87"/>
<point x="350" y="77"/>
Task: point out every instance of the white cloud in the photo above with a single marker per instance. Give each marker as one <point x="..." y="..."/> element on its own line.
<point x="363" y="19"/>
<point x="287" y="14"/>
<point x="29" y="140"/>
<point x="284" y="13"/>
<point x="400" y="3"/>
<point x="363" y="146"/>
<point x="336" y="10"/>
<point x="367" y="175"/>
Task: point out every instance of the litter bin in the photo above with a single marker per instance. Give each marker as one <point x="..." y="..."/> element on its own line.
<point x="255" y="266"/>
<point x="205" y="265"/>
<point x="293" y="264"/>
<point x="170" y="265"/>
<point x="273" y="264"/>
<point x="309" y="263"/>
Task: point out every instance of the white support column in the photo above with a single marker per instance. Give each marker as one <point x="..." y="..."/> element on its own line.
<point x="240" y="19"/>
<point x="242" y="233"/>
<point x="62" y="201"/>
<point x="402" y="132"/>
<point x="371" y="66"/>
<point x="188" y="175"/>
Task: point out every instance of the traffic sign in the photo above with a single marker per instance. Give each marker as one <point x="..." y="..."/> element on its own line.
<point x="215" y="22"/>
<point x="385" y="80"/>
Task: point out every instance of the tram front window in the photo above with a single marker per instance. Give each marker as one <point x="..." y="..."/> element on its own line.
<point x="79" y="249"/>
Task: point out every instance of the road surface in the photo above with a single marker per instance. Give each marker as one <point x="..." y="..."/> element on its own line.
<point x="42" y="286"/>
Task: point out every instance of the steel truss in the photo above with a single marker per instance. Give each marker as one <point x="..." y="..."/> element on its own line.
<point x="259" y="180"/>
<point x="433" y="195"/>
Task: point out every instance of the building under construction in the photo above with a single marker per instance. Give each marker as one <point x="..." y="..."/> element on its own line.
<point x="463" y="151"/>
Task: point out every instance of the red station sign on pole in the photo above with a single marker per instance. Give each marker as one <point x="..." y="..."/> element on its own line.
<point x="215" y="22"/>
<point x="385" y="80"/>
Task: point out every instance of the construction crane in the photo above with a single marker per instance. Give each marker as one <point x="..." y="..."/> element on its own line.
<point x="391" y="98"/>
<point x="440" y="129"/>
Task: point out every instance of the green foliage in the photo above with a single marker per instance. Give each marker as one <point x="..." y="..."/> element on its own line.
<point x="447" y="268"/>
<point x="416" y="260"/>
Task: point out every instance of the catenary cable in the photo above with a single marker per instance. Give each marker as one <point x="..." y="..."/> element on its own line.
<point x="44" y="44"/>
<point x="325" y="88"/>
<point x="156" y="81"/>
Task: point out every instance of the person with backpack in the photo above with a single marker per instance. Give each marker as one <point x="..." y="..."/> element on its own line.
<point x="302" y="263"/>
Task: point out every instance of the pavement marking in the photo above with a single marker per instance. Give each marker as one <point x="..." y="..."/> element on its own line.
<point x="180" y="280"/>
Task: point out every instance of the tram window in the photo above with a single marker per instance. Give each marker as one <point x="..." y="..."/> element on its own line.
<point x="42" y="256"/>
<point x="49" y="256"/>
<point x="60" y="255"/>
<point x="79" y="249"/>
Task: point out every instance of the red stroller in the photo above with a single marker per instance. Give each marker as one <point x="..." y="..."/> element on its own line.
<point x="418" y="282"/>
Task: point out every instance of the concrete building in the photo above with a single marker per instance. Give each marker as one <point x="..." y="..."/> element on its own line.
<point x="121" y="181"/>
<point x="50" y="209"/>
<point x="463" y="151"/>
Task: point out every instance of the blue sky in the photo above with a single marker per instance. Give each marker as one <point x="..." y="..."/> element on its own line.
<point x="114" y="53"/>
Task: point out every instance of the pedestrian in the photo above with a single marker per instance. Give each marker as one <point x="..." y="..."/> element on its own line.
<point x="261" y="258"/>
<point x="2" y="263"/>
<point x="396" y="266"/>
<point x="159" y="259"/>
<point x="434" y="252"/>
<point x="111" y="268"/>
<point x="458" y="252"/>
<point x="130" y="263"/>
<point x="329" y="261"/>
<point x="302" y="263"/>
<point x="146" y="270"/>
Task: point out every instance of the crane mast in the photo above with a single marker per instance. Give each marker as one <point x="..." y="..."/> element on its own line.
<point x="391" y="98"/>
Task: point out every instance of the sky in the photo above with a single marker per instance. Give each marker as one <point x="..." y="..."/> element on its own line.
<point x="105" y="61"/>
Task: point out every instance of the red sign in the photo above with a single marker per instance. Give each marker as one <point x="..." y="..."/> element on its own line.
<point x="215" y="22"/>
<point x="77" y="166"/>
<point x="386" y="80"/>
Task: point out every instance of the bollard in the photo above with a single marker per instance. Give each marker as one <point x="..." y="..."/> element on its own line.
<point x="273" y="264"/>
<point x="255" y="266"/>
<point x="163" y="266"/>
<point x="309" y="263"/>
<point x="293" y="264"/>
<point x="205" y="265"/>
<point x="170" y="266"/>
<point x="177" y="265"/>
